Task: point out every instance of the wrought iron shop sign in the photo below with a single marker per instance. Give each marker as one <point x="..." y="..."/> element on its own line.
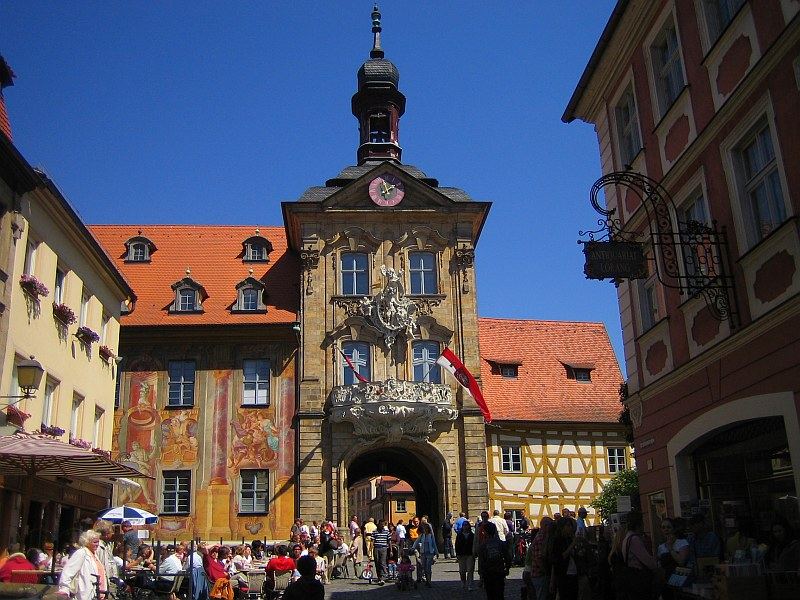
<point x="614" y="260"/>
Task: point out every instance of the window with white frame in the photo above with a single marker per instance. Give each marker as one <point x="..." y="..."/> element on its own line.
<point x="510" y="459"/>
<point x="255" y="382"/>
<point x="250" y="299"/>
<point x="647" y="292"/>
<point x="181" y="382"/>
<point x="255" y="252"/>
<point x="355" y="277"/>
<point x="177" y="489"/>
<point x="30" y="257"/>
<point x="760" y="188"/>
<point x="424" y="356"/>
<point x="50" y="389"/>
<point x="627" y="120"/>
<point x="718" y="14"/>
<point x="667" y="68"/>
<point x="139" y="252"/>
<point x="58" y="288"/>
<point x="253" y="490"/>
<point x="422" y="272"/>
<point x="616" y="459"/>
<point x="187" y="300"/>
<point x="358" y="353"/>
<point x="400" y="505"/>
<point x="75" y="417"/>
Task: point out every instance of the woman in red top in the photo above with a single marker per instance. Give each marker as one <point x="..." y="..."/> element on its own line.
<point x="18" y="562"/>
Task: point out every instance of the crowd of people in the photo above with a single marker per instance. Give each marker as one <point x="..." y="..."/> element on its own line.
<point x="559" y="558"/>
<point x="561" y="561"/>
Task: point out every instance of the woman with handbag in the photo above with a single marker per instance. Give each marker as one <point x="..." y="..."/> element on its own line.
<point x="640" y="566"/>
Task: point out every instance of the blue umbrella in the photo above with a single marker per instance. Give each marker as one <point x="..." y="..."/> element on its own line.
<point x="137" y="516"/>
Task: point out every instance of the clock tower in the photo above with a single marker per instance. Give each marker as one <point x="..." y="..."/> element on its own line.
<point x="387" y="283"/>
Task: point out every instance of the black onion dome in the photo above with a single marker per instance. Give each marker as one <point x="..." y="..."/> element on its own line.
<point x="378" y="71"/>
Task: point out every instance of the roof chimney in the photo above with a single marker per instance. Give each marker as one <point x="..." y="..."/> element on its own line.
<point x="6" y="80"/>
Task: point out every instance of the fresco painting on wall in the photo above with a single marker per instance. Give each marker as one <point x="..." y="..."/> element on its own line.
<point x="255" y="440"/>
<point x="142" y="420"/>
<point x="179" y="438"/>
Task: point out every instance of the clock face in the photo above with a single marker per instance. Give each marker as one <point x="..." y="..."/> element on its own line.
<point x="386" y="190"/>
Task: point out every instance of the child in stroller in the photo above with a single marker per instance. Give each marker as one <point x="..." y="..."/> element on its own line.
<point x="405" y="573"/>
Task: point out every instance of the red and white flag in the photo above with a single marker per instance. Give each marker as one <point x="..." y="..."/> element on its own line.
<point x="350" y="364"/>
<point x="456" y="368"/>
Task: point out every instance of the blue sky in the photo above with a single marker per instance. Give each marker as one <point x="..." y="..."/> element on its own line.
<point x="215" y="112"/>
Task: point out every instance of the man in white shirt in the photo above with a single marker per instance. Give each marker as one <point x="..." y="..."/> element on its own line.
<point x="500" y="523"/>
<point x="167" y="570"/>
<point x="400" y="532"/>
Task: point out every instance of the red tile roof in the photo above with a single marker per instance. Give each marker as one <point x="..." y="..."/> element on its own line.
<point x="542" y="391"/>
<point x="213" y="255"/>
<point x="401" y="487"/>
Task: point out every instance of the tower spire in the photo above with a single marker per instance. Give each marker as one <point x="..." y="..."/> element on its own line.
<point x="377" y="51"/>
<point x="378" y="104"/>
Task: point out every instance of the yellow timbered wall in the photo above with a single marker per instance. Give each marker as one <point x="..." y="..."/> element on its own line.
<point x="561" y="466"/>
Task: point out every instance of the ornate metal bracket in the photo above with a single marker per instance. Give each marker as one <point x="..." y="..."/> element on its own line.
<point x="690" y="258"/>
<point x="310" y="259"/>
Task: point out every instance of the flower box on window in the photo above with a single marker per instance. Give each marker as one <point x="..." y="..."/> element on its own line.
<point x="52" y="430"/>
<point x="103" y="453"/>
<point x="80" y="443"/>
<point x="87" y="335"/>
<point x="106" y="353"/>
<point x="64" y="313"/>
<point x="15" y="416"/>
<point x="33" y="287"/>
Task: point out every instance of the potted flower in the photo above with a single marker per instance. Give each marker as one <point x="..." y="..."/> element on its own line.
<point x="106" y="353"/>
<point x="15" y="416"/>
<point x="52" y="430"/>
<point x="87" y="335"/>
<point x="78" y="443"/>
<point x="33" y="287"/>
<point x="64" y="313"/>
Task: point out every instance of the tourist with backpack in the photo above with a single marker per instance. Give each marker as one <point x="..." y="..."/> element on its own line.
<point x="493" y="561"/>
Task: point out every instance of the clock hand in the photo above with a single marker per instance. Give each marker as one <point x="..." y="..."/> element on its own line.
<point x="386" y="189"/>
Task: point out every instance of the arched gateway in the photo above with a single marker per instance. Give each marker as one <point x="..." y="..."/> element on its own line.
<point x="420" y="465"/>
<point x="387" y="283"/>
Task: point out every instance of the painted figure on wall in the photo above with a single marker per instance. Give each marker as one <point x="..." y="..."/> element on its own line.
<point x="141" y="450"/>
<point x="255" y="440"/>
<point x="179" y="439"/>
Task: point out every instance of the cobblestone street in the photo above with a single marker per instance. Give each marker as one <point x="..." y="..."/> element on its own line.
<point x="446" y="585"/>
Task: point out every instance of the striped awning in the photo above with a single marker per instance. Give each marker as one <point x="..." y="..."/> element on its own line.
<point x="36" y="454"/>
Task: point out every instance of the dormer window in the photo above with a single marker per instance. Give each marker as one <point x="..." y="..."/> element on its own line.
<point x="189" y="296"/>
<point x="581" y="372"/>
<point x="256" y="248"/>
<point x="509" y="371"/>
<point x="250" y="297"/>
<point x="139" y="249"/>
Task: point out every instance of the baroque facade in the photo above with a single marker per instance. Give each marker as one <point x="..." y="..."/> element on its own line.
<point x="702" y="101"/>
<point x="268" y="370"/>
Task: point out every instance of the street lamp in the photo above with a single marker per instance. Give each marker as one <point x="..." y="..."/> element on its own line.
<point x="29" y="376"/>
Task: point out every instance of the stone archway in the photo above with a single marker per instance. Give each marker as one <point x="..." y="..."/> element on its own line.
<point x="420" y="465"/>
